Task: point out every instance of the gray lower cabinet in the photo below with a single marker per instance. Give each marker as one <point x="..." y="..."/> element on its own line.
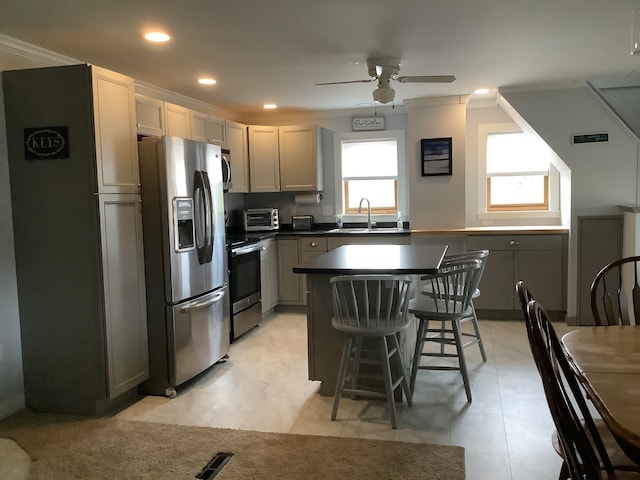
<point x="289" y="288"/>
<point x="297" y="249"/>
<point x="269" y="274"/>
<point x="124" y="292"/>
<point x="292" y="287"/>
<point x="599" y="243"/>
<point x="538" y="260"/>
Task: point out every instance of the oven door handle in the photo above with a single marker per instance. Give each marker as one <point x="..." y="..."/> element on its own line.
<point x="204" y="304"/>
<point x="248" y="249"/>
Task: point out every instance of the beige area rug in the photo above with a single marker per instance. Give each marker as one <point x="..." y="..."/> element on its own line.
<point x="64" y="447"/>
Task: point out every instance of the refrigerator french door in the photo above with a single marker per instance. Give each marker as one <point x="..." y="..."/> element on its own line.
<point x="185" y="260"/>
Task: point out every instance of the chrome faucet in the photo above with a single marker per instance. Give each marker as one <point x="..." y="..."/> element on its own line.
<point x="368" y="211"/>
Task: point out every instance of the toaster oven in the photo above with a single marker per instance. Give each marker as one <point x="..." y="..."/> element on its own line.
<point x="261" y="219"/>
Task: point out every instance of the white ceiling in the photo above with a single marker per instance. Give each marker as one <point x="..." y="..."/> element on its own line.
<point x="275" y="50"/>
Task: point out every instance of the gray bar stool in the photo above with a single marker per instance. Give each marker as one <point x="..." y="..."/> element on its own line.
<point x="481" y="255"/>
<point x="448" y="304"/>
<point x="375" y="307"/>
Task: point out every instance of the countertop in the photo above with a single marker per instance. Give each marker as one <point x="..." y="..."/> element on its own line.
<point x="376" y="259"/>
<point x="384" y="229"/>
<point x="521" y="230"/>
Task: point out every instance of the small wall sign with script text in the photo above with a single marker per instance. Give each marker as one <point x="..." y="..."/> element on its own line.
<point x="579" y="138"/>
<point x="359" y="124"/>
<point x="46" y="143"/>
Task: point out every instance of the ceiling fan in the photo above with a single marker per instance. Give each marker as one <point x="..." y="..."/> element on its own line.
<point x="385" y="69"/>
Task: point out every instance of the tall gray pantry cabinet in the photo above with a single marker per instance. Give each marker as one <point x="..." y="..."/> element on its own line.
<point x="78" y="237"/>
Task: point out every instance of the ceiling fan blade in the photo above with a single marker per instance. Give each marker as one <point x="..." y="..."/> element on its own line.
<point x="427" y="79"/>
<point x="348" y="81"/>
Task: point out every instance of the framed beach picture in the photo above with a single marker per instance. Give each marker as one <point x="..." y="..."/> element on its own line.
<point x="436" y="156"/>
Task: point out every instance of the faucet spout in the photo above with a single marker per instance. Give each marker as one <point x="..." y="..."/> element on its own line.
<point x="368" y="210"/>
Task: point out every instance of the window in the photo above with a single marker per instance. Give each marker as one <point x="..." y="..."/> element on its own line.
<point x="517" y="167"/>
<point x="370" y="165"/>
<point x="369" y="170"/>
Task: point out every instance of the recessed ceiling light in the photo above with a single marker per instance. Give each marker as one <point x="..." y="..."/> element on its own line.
<point x="270" y="106"/>
<point x="207" y="81"/>
<point x="481" y="91"/>
<point x="157" y="37"/>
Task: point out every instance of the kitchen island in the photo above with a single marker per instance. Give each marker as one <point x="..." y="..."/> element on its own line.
<point x="324" y="342"/>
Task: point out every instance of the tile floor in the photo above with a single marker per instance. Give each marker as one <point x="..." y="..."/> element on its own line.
<point x="506" y="430"/>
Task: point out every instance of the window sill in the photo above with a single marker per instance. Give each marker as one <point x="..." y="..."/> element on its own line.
<point x="517" y="215"/>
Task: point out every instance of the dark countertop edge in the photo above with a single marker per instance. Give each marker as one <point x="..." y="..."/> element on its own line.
<point x="359" y="271"/>
<point x="328" y="233"/>
<point x="528" y="230"/>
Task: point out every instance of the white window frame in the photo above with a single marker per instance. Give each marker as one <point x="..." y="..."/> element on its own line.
<point x="554" y="180"/>
<point x="403" y="194"/>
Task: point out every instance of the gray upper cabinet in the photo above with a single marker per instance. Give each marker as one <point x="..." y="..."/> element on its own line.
<point x="115" y="135"/>
<point x="207" y="128"/>
<point x="149" y="116"/>
<point x="300" y="158"/>
<point x="237" y="145"/>
<point x="177" y="120"/>
<point x="264" y="159"/>
<point x="287" y="159"/>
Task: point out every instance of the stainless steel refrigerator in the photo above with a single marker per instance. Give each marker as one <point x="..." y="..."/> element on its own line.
<point x="185" y="260"/>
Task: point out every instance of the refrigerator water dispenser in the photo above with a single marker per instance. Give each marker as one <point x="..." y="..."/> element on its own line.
<point x="183" y="224"/>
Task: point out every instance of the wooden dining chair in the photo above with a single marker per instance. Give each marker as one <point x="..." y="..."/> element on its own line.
<point x="586" y="446"/>
<point x="615" y="293"/>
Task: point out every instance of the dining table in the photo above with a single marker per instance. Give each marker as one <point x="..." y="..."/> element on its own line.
<point x="606" y="360"/>
<point x="324" y="342"/>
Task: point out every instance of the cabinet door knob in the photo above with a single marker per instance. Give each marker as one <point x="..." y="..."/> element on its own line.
<point x="513" y="243"/>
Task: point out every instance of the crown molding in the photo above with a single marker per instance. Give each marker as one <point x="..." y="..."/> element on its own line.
<point x="159" y="93"/>
<point x="34" y="53"/>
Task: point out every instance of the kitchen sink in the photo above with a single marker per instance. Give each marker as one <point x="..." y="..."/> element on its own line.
<point x="366" y="230"/>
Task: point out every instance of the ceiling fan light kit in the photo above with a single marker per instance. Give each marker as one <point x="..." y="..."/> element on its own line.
<point x="384" y="69"/>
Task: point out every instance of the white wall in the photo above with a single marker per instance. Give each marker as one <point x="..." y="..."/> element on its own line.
<point x="438" y="201"/>
<point x="603" y="175"/>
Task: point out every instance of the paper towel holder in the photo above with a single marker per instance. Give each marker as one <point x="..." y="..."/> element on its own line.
<point x="308" y="198"/>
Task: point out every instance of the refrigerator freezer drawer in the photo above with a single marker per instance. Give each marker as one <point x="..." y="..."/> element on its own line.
<point x="200" y="335"/>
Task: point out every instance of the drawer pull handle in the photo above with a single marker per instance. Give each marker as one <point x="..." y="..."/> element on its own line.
<point x="314" y="244"/>
<point x="513" y="243"/>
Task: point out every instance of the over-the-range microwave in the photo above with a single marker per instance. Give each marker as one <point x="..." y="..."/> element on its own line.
<point x="261" y="219"/>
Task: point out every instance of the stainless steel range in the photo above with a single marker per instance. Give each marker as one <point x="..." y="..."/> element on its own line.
<point x="244" y="284"/>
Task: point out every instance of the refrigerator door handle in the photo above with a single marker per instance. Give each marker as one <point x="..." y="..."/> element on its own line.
<point x="198" y="200"/>
<point x="227" y="180"/>
<point x="203" y="215"/>
<point x="202" y="304"/>
<point x="208" y="207"/>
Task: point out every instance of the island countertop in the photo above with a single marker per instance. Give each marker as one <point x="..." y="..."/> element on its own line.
<point x="376" y="259"/>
